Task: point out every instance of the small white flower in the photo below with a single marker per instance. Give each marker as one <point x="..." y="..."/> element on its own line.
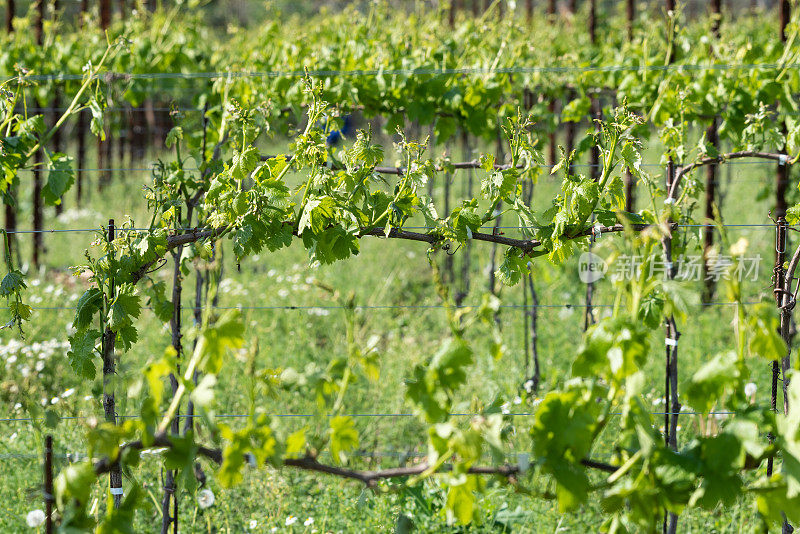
<point x="291" y="520"/>
<point x="68" y="393"/>
<point x="88" y="398"/>
<point x="517" y="400"/>
<point x="253" y="524"/>
<point x="274" y="529"/>
<point x="505" y="408"/>
<point x="308" y="522"/>
<point x="54" y="400"/>
<point x="750" y="389"/>
<point x="528" y="386"/>
<point x="35" y="518"/>
<point x="283" y="293"/>
<point x="205" y="499"/>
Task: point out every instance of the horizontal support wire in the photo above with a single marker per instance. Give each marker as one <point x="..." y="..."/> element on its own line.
<point x="329" y="73"/>
<point x="358" y="415"/>
<point x="403" y="306"/>
<point x="102" y="229"/>
<point x="196" y="110"/>
<point x="541" y="166"/>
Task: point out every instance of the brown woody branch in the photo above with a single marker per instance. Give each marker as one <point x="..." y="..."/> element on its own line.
<point x="309" y="463"/>
<point x="722" y="158"/>
<point x="400" y="171"/>
<point x="526" y="245"/>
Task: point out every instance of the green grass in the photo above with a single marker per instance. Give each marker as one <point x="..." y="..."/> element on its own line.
<point x="385" y="273"/>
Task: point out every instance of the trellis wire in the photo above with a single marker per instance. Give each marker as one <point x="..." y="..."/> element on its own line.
<point x="355" y="415"/>
<point x="101" y="228"/>
<point x="402" y="306"/>
<point x="539" y="165"/>
<point x="329" y="73"/>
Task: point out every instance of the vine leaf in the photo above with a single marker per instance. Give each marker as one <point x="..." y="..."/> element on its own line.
<point x="60" y="178"/>
<point x="81" y="357"/>
<point x="124" y="309"/>
<point x="13" y="282"/>
<point x="344" y="437"/>
<point x="88" y="305"/>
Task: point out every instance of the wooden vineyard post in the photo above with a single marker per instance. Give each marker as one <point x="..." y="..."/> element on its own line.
<point x="170" y="488"/>
<point x="630" y="12"/>
<point x="37" y="207"/>
<point x="594" y="166"/>
<point x="551" y="105"/>
<point x="496" y="209"/>
<point x="109" y="371"/>
<point x="105" y="14"/>
<point x="10" y="10"/>
<point x="784" y="300"/>
<point x="711" y="173"/>
<point x="531" y="384"/>
<point x="779" y="278"/>
<point x="57" y="138"/>
<point x="672" y="406"/>
<point x="49" y="498"/>
<point x="10" y="208"/>
<point x="630" y="191"/>
<point x="784" y="297"/>
<point x="80" y="131"/>
<point x="448" y="274"/>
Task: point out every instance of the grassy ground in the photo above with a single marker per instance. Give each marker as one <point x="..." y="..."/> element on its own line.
<point x="402" y="310"/>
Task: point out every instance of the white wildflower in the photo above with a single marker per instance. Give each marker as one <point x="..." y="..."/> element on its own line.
<point x="750" y="389"/>
<point x="35" y="518"/>
<point x="308" y="522"/>
<point x="205" y="499"/>
<point x="68" y="393"/>
<point x="291" y="520"/>
<point x="528" y="386"/>
<point x="253" y="524"/>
